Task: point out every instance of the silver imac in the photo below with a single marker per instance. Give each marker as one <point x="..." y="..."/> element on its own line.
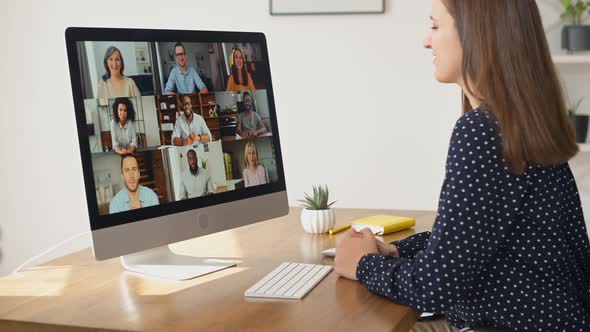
<point x="178" y="139"/>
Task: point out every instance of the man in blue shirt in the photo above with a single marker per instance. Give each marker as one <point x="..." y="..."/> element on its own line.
<point x="183" y="78"/>
<point x="134" y="195"/>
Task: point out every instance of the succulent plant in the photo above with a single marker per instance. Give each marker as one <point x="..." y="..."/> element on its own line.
<point x="319" y="199"/>
<point x="573" y="109"/>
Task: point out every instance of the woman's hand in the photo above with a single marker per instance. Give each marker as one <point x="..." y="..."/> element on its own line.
<point x="387" y="249"/>
<point x="351" y="249"/>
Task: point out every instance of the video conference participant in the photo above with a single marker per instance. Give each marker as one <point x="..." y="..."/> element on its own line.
<point x="254" y="174"/>
<point x="134" y="195"/>
<point x="190" y="127"/>
<point x="195" y="181"/>
<point x="114" y="83"/>
<point x="239" y="79"/>
<point x="122" y="125"/>
<point x="249" y="122"/>
<point x="183" y="78"/>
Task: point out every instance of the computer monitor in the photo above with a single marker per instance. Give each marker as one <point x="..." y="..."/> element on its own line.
<point x="150" y="106"/>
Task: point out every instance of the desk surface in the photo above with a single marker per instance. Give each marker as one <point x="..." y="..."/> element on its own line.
<point x="77" y="293"/>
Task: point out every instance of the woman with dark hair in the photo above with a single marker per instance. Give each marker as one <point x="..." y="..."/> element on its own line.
<point x="123" y="133"/>
<point x="240" y="78"/>
<point x="114" y="83"/>
<point x="509" y="249"/>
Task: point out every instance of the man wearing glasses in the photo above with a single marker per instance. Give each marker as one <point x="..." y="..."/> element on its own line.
<point x="183" y="78"/>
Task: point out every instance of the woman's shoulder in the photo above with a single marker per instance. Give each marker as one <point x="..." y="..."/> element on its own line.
<point x="129" y="80"/>
<point x="260" y="168"/>
<point x="476" y="133"/>
<point x="477" y="120"/>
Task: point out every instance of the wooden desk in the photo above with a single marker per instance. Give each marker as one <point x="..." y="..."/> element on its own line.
<point x="77" y="293"/>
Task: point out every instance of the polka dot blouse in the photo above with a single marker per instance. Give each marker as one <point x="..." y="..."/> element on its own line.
<point x="506" y="250"/>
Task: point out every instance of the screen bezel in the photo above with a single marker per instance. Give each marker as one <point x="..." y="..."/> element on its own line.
<point x="79" y="34"/>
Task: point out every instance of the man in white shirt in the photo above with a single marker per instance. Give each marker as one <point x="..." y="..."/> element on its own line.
<point x="190" y="128"/>
<point x="195" y="182"/>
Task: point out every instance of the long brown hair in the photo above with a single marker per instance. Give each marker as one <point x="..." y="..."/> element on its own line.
<point x="507" y="65"/>
<point x="240" y="75"/>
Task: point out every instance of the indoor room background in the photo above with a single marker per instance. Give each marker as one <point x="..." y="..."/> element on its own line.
<point x="357" y="104"/>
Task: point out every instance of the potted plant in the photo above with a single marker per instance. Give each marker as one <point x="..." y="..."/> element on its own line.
<point x="580" y="121"/>
<point x="316" y="216"/>
<point x="575" y="36"/>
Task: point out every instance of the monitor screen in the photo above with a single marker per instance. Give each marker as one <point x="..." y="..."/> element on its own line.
<point x="170" y="121"/>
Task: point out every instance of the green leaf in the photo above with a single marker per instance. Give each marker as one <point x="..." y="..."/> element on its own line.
<point x="319" y="199"/>
<point x="577" y="104"/>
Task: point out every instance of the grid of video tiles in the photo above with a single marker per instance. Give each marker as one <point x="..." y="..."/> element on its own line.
<point x="175" y="120"/>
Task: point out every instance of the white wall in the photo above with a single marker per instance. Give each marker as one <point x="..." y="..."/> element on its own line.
<point x="358" y="107"/>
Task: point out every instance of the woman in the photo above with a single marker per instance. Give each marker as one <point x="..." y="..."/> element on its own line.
<point x="123" y="133"/>
<point x="114" y="83"/>
<point x="239" y="79"/>
<point x="254" y="173"/>
<point x="509" y="248"/>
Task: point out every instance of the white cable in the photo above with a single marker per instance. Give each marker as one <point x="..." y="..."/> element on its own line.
<point x="48" y="251"/>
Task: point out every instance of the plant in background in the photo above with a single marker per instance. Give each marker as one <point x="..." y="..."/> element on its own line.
<point x="579" y="121"/>
<point x="573" y="109"/>
<point x="574" y="10"/>
<point x="319" y="199"/>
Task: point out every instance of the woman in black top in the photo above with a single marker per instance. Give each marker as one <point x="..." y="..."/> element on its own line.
<point x="509" y="248"/>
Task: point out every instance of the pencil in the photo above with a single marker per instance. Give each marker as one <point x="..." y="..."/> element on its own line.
<point x="339" y="229"/>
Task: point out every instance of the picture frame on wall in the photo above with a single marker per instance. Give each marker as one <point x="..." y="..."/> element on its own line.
<point x="326" y="7"/>
<point x="141" y="55"/>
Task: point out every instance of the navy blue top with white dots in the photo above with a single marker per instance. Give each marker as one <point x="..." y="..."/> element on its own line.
<point x="506" y="250"/>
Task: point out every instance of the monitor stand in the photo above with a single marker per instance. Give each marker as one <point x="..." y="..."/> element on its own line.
<point x="161" y="262"/>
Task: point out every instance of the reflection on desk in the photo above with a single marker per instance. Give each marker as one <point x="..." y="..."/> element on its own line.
<point x="238" y="137"/>
<point x="77" y="293"/>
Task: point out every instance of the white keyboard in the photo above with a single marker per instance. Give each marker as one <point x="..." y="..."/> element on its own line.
<point x="289" y="281"/>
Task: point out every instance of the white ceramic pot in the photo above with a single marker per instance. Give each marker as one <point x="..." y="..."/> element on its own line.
<point x="317" y="221"/>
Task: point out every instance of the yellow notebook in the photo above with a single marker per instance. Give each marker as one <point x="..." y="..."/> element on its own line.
<point x="383" y="224"/>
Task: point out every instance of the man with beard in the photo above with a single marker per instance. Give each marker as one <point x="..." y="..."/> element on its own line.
<point x="183" y="78"/>
<point x="190" y="128"/>
<point x="195" y="182"/>
<point x="134" y="195"/>
<point x="250" y="124"/>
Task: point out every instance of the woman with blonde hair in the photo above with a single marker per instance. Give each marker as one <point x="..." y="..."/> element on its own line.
<point x="509" y="248"/>
<point x="254" y="173"/>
